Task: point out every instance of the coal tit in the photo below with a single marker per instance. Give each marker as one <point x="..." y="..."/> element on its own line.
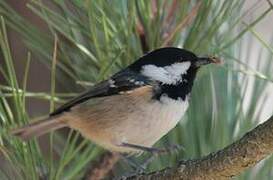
<point x="135" y="107"/>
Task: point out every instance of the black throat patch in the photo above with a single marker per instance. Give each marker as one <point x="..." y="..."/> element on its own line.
<point x="179" y="90"/>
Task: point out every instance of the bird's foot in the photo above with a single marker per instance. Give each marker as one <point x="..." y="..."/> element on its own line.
<point x="152" y="150"/>
<point x="155" y="152"/>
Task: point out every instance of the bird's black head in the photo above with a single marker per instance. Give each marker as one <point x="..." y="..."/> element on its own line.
<point x="174" y="69"/>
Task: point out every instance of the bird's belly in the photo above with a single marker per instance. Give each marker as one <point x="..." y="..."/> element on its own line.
<point x="151" y="123"/>
<point x="140" y="123"/>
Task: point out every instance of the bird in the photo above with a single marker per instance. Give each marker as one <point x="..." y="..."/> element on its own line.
<point x="134" y="108"/>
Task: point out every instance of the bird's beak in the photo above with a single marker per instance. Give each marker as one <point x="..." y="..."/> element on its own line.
<point x="207" y="60"/>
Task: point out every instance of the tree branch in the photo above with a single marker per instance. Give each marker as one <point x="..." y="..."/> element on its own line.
<point x="228" y="162"/>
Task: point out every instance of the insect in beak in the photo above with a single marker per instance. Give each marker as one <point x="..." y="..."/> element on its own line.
<point x="207" y="60"/>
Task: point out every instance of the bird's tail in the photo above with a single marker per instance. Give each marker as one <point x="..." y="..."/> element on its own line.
<point x="39" y="128"/>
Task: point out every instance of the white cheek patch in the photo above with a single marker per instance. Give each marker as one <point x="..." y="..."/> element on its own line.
<point x="168" y="74"/>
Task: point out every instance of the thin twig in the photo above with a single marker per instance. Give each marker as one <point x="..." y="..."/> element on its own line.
<point x="186" y="21"/>
<point x="171" y="13"/>
<point x="102" y="168"/>
<point x="142" y="37"/>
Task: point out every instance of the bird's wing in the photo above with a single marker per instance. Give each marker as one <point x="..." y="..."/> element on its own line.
<point x="119" y="83"/>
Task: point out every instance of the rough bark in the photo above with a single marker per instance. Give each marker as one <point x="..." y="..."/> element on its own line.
<point x="226" y="163"/>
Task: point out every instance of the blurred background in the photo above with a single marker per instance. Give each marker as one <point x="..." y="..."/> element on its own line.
<point x="94" y="39"/>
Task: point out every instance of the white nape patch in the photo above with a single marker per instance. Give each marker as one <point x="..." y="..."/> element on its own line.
<point x="168" y="74"/>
